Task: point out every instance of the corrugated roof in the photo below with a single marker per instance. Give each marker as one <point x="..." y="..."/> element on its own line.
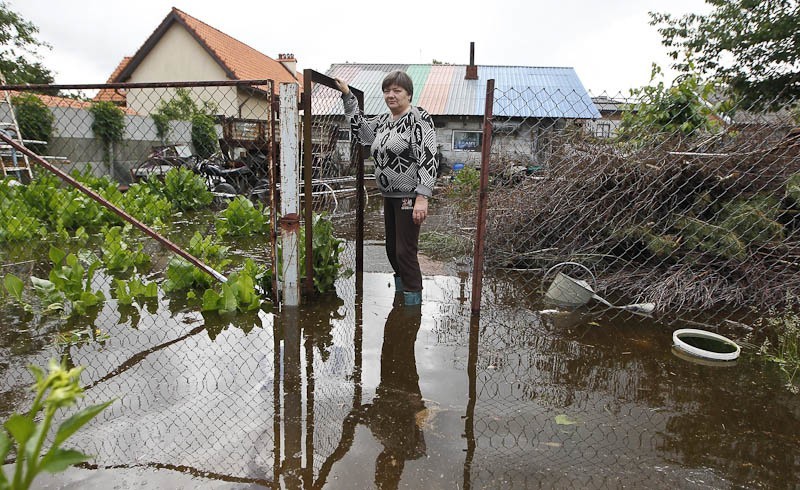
<point x="442" y="90"/>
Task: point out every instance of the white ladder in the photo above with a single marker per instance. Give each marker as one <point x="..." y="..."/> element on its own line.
<point x="11" y="161"/>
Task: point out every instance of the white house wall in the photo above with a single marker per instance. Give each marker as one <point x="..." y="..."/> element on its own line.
<point x="179" y="57"/>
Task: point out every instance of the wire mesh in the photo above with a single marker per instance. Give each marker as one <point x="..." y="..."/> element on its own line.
<point x="683" y="205"/>
<point x="97" y="292"/>
<point x="194" y="162"/>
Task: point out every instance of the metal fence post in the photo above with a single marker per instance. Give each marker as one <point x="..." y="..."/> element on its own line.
<point x="290" y="194"/>
<point x="477" y="274"/>
<point x="308" y="162"/>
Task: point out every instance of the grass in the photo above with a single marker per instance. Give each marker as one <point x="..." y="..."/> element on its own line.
<point x="782" y="347"/>
<point x="444" y="246"/>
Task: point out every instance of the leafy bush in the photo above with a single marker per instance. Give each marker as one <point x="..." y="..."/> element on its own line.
<point x="127" y="292"/>
<point x="465" y="184"/>
<point x="146" y="204"/>
<point x="204" y="135"/>
<point x="18" y="222"/>
<point x="661" y="111"/>
<point x="326" y="249"/>
<point x="183" y="108"/>
<point x="68" y="279"/>
<point x="71" y="209"/>
<point x="325" y="262"/>
<point x="108" y="125"/>
<point x="35" y="120"/>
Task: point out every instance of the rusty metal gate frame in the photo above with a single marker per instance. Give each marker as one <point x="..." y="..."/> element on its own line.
<point x="311" y="77"/>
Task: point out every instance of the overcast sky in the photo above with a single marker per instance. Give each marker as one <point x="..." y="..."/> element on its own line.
<point x="608" y="42"/>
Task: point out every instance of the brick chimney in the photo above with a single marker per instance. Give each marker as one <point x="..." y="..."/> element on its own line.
<point x="289" y="62"/>
<point x="472" y="69"/>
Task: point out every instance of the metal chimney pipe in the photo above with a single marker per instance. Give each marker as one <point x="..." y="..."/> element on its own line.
<point x="472" y="70"/>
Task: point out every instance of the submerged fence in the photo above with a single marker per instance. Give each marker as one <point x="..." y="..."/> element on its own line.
<point x="679" y="203"/>
<point x="697" y="215"/>
<point x="195" y="165"/>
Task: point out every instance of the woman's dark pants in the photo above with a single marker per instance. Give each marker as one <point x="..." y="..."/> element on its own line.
<point x="402" y="241"/>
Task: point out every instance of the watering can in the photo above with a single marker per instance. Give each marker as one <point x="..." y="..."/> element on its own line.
<point x="569" y="292"/>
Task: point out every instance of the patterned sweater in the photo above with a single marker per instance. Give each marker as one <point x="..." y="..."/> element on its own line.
<point x="404" y="150"/>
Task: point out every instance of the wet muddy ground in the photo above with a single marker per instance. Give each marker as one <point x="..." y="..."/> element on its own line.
<point x="354" y="391"/>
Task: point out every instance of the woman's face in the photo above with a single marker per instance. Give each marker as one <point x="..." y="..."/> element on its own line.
<point x="397" y="99"/>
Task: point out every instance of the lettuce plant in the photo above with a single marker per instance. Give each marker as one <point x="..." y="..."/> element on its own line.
<point x="237" y="294"/>
<point x="242" y="218"/>
<point x="118" y="255"/>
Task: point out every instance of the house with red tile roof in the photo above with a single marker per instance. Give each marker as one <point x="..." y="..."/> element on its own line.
<point x="183" y="48"/>
<point x="53" y="101"/>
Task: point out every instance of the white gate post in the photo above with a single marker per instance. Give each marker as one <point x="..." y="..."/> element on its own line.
<point x="290" y="193"/>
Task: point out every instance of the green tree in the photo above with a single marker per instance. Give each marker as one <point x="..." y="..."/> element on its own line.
<point x="183" y="108"/>
<point x="35" y="120"/>
<point x="661" y="111"/>
<point x="750" y="46"/>
<point x="19" y="48"/>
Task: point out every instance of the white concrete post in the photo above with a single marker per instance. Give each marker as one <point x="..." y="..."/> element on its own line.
<point x="290" y="194"/>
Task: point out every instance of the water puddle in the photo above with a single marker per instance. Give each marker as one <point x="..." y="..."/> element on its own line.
<point x="356" y="391"/>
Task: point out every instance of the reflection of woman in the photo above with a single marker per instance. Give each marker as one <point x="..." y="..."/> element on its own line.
<point x="403" y="146"/>
<point x="392" y="417"/>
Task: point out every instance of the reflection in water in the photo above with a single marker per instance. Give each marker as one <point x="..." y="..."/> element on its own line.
<point x="553" y="401"/>
<point x="392" y="416"/>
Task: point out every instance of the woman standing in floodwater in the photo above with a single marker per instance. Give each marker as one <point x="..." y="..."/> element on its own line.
<point x="403" y="146"/>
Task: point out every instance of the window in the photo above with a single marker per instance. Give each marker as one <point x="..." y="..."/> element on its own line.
<point x="467" y="140"/>
<point x="603" y="129"/>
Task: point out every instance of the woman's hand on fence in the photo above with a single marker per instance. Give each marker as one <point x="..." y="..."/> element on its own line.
<point x="342" y="86"/>
<point x="420" y="209"/>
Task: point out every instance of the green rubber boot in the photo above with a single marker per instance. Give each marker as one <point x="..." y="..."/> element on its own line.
<point x="412" y="298"/>
<point x="398" y="284"/>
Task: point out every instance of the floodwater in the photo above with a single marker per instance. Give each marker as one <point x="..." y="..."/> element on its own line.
<point x="355" y="391"/>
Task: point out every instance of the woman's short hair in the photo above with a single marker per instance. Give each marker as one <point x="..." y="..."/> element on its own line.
<point x="401" y="79"/>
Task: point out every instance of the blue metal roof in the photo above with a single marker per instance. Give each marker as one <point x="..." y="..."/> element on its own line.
<point x="442" y="90"/>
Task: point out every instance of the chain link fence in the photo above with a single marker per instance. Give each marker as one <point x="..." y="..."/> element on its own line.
<point x="195" y="164"/>
<point x="680" y="203"/>
<point x="699" y="220"/>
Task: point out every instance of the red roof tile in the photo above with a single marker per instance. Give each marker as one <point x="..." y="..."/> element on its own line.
<point x="53" y="101"/>
<point x="114" y="95"/>
<point x="240" y="61"/>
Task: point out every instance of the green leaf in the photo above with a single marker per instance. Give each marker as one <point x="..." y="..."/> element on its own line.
<point x="211" y="300"/>
<point x="121" y="291"/>
<point x="14" y="286"/>
<point x="5" y="447"/>
<point x="20" y="427"/>
<point x="562" y="419"/>
<point x="60" y="459"/>
<point x="56" y="255"/>
<point x="78" y="420"/>
<point x="30" y="446"/>
<point x="229" y="302"/>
